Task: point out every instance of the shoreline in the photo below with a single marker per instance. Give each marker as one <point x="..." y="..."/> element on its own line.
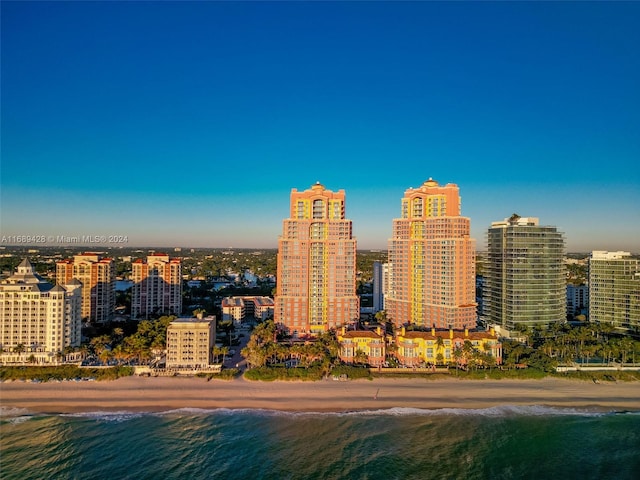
<point x="161" y="394"/>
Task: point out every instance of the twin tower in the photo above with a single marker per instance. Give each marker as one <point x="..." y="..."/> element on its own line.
<point x="431" y="262"/>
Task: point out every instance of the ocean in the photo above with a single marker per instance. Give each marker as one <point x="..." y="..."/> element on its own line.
<point x="400" y="443"/>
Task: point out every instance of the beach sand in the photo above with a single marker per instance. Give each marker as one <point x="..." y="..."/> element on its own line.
<point x="142" y="394"/>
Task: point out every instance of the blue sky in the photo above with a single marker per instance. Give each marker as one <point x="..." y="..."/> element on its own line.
<point x="188" y="124"/>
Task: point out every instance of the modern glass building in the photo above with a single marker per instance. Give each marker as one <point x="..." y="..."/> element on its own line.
<point x="524" y="274"/>
<point x="614" y="290"/>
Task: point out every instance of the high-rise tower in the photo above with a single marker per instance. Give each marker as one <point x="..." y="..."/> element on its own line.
<point x="157" y="287"/>
<point x="98" y="278"/>
<point x="316" y="279"/>
<point x="614" y="290"/>
<point x="432" y="257"/>
<point x="40" y="318"/>
<point x="524" y="274"/>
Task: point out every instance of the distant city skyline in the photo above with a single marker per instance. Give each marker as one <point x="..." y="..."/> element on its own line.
<point x="187" y="124"/>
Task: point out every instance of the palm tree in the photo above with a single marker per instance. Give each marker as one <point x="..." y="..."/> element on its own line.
<point x="360" y="357"/>
<point x="224" y="351"/>
<point x="19" y="348"/>
<point x="381" y="316"/>
<point x="117" y="334"/>
<point x="457" y="356"/>
<point x="439" y="350"/>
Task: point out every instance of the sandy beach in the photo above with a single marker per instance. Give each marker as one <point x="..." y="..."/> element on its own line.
<point x="136" y="394"/>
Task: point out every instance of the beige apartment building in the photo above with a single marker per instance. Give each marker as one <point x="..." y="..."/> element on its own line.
<point x="98" y="278"/>
<point x="37" y="320"/>
<point x="236" y="309"/>
<point x="190" y="342"/>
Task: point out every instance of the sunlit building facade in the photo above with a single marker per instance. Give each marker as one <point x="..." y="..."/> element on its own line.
<point x="190" y="343"/>
<point x="432" y="261"/>
<point x="316" y="274"/>
<point x="157" y="286"/>
<point x="366" y="344"/>
<point x="444" y="347"/>
<point x="38" y="320"/>
<point x="98" y="278"/>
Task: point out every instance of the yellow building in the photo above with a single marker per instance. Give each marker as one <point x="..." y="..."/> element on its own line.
<point x="370" y="343"/>
<point x="438" y="347"/>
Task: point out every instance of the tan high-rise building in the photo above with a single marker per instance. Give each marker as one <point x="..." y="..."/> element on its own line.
<point x="316" y="279"/>
<point x="190" y="342"/>
<point x="98" y="278"/>
<point x="37" y="320"/>
<point x="432" y="261"/>
<point x="157" y="287"/>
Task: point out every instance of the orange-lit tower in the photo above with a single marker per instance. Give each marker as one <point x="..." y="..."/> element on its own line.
<point x="316" y="280"/>
<point x="98" y="278"/>
<point x="432" y="260"/>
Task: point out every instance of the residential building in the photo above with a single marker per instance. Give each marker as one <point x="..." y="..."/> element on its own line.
<point x="370" y="343"/>
<point x="577" y="300"/>
<point x="190" y="343"/>
<point x="98" y="278"/>
<point x="157" y="287"/>
<point x="432" y="257"/>
<point x="237" y="309"/>
<point x="380" y="285"/>
<point x="524" y="275"/>
<point x="316" y="274"/>
<point x="38" y="321"/>
<point x="439" y="347"/>
<point x="614" y="290"/>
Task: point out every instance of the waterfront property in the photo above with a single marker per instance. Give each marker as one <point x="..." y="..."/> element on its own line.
<point x="190" y="343"/>
<point x="38" y="321"/>
<point x="432" y="257"/>
<point x="524" y="275"/>
<point x="316" y="280"/>
<point x="439" y="347"/>
<point x="362" y="346"/>
<point x="614" y="290"/>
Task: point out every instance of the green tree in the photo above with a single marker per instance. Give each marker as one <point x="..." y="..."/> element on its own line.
<point x="360" y="358"/>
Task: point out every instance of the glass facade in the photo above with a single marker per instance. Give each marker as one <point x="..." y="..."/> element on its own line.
<point x="524" y="274"/>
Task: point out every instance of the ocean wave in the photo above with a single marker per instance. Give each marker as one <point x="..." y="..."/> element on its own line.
<point x="499" y="411"/>
<point x="119" y="416"/>
<point x="13" y="412"/>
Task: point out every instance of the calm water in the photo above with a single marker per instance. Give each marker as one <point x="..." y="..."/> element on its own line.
<point x="522" y="442"/>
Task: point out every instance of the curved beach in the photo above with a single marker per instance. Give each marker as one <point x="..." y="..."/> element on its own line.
<point x="141" y="394"/>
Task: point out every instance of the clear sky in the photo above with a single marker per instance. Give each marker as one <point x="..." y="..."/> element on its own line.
<point x="188" y="124"/>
